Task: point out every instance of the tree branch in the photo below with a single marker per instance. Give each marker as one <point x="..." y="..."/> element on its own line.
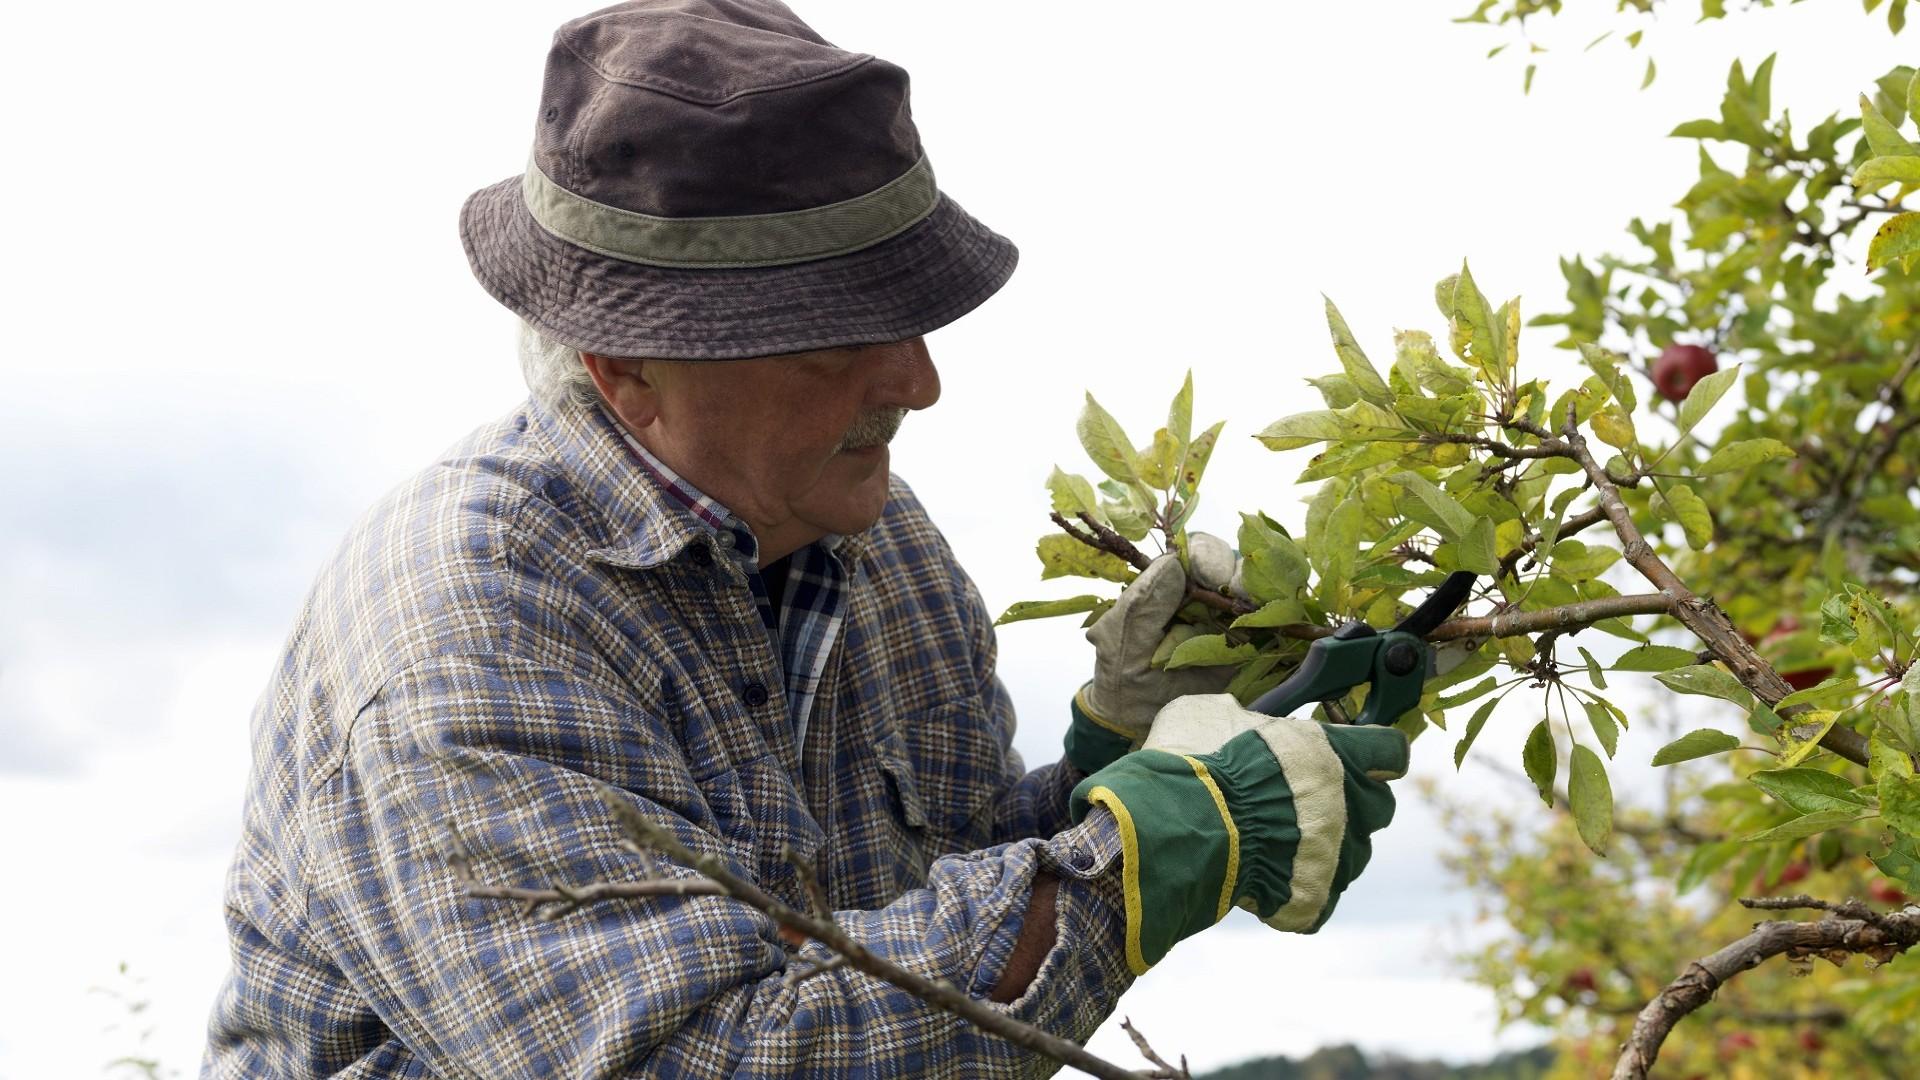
<point x="644" y="835"/>
<point x="1848" y="928"/>
<point x="1701" y="616"/>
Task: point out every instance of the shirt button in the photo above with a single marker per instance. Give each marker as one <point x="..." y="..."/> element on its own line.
<point x="724" y="539"/>
<point x="755" y="694"/>
<point x="1081" y="859"/>
<point x="701" y="556"/>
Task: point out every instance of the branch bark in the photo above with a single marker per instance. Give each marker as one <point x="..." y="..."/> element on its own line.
<point x="645" y="835"/>
<point x="1699" y="615"/>
<point x="1848" y="928"/>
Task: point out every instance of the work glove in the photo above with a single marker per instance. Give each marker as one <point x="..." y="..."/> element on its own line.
<point x="1112" y="713"/>
<point x="1223" y="806"/>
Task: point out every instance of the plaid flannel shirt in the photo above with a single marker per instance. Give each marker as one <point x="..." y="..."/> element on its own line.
<point x="531" y="620"/>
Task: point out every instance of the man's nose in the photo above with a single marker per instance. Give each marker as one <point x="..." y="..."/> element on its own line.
<point x="904" y="376"/>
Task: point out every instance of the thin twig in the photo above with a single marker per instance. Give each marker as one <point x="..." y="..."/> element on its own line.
<point x="1162" y="1070"/>
<point x="1105" y="539"/>
<point x="646" y="834"/>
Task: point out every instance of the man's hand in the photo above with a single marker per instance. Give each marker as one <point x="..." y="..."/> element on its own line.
<point x="1113" y="712"/>
<point x="1228" y="807"/>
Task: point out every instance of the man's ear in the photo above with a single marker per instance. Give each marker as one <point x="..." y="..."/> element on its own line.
<point x="627" y="386"/>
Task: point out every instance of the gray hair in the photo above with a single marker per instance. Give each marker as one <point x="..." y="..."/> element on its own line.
<point x="554" y="372"/>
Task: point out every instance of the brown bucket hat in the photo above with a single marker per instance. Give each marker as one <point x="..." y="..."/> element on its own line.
<point x="711" y="179"/>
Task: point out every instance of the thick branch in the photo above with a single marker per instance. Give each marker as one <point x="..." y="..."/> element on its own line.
<point x="1847" y="929"/>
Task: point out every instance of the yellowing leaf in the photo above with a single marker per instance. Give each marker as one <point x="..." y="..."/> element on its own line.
<point x="1614" y="427"/>
<point x="1106" y="442"/>
<point x="1897" y="241"/>
<point x="1063" y="556"/>
<point x="1366" y="379"/>
<point x="1802" y="735"/>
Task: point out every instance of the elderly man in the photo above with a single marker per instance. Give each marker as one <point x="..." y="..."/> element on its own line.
<point x="682" y="572"/>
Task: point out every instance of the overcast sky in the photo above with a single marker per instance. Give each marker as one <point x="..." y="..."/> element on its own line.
<point x="239" y="312"/>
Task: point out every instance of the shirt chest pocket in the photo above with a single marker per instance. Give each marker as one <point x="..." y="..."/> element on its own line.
<point x="944" y="768"/>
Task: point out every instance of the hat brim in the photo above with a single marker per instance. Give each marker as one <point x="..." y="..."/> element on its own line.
<point x="932" y="273"/>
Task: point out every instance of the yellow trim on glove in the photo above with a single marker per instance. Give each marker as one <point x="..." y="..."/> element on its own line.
<point x="1233" y="836"/>
<point x="1129" y="873"/>
<point x="1080" y="699"/>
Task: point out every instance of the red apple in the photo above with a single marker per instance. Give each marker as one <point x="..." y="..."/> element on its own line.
<point x="1580" y="981"/>
<point x="1794" y="872"/>
<point x="1884" y="891"/>
<point x="1811" y="1042"/>
<point x="1734" y="1042"/>
<point x="1680" y="366"/>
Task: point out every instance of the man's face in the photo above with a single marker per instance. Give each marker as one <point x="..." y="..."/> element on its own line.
<point x="794" y="444"/>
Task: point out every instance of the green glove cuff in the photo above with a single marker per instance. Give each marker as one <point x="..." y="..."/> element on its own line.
<point x="1182" y="827"/>
<point x="1092" y="745"/>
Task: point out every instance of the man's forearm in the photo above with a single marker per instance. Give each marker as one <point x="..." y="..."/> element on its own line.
<point x="1034" y="943"/>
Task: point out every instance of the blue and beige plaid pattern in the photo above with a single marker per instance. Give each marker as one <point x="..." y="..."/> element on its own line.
<point x="531" y="620"/>
<point x="805" y="621"/>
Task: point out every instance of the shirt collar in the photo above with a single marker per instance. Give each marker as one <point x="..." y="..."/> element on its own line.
<point x="649" y="514"/>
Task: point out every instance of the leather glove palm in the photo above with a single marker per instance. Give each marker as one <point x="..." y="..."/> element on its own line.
<point x="1113" y="713"/>
<point x="1228" y="807"/>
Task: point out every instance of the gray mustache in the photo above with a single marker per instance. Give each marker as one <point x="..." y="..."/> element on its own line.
<point x="873" y="429"/>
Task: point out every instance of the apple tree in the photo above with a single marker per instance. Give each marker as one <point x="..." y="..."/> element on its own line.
<point x="1722" y="505"/>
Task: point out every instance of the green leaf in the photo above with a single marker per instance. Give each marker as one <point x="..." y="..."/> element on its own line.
<point x="1645" y="81"/>
<point x="1695" y="744"/>
<point x="1063" y="556"/>
<point x="1209" y="650"/>
<point x="1900" y="803"/>
<point x="1366" y="378"/>
<point x="1272" y="568"/>
<point x="1363" y="421"/>
<point x="1745" y="453"/>
<point x="1836" y="620"/>
<point x="1339" y="543"/>
<point x="1106" y="442"/>
<point x="1897" y="241"/>
<point x="1802" y="735"/>
<point x="1698" y="129"/>
<point x="1705" y="395"/>
<point x="1810" y="791"/>
<point x="1901" y="861"/>
<point x="1541" y="762"/>
<point x="1045" y="609"/>
<point x="1835" y="690"/>
<point x="1475" y="550"/>
<point x="1592" y="798"/>
<point x="1603" y="726"/>
<point x="1474" y="725"/>
<point x="1691" y="512"/>
<point x="1452" y="701"/>
<point x="1195" y="464"/>
<point x="1876" y="173"/>
<point x="1072" y="495"/>
<point x="1284" y="612"/>
<point x="1707" y="680"/>
<point x="1654" y="658"/>
<point x="1883" y="137"/>
<point x="1802" y="827"/>
<point x="1433" y="507"/>
<point x="1595" y="674"/>
<point x="1158" y="461"/>
<point x="1705" y="860"/>
<point x="1180" y="413"/>
<point x="1476" y="335"/>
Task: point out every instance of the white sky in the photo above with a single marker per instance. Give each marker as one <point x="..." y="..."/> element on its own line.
<point x="239" y="312"/>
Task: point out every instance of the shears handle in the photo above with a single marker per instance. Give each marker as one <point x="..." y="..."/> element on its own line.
<point x="1395" y="663"/>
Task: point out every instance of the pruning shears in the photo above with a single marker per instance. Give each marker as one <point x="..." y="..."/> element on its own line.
<point x="1397" y="662"/>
